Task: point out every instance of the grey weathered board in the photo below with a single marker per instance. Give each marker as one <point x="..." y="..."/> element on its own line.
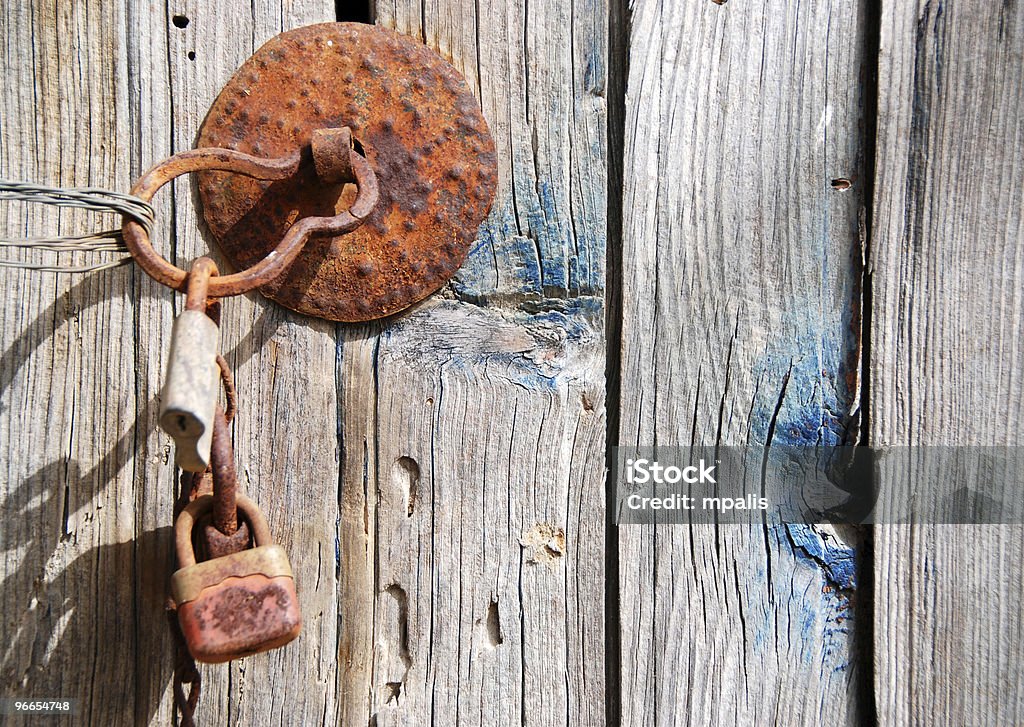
<point x="94" y="94"/>
<point x="947" y="261"/>
<point x="472" y="550"/>
<point x="438" y="479"/>
<point x="740" y="325"/>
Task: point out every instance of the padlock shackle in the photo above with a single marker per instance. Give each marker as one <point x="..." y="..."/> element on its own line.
<point x="200" y="506"/>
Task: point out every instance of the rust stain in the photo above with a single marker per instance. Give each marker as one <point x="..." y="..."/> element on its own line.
<point x="421" y="130"/>
<point x="240" y="617"/>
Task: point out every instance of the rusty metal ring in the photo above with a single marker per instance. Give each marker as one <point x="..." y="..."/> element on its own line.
<point x="202" y="271"/>
<point x="211" y="159"/>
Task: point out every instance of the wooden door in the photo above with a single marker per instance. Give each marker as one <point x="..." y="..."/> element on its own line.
<point x="716" y="223"/>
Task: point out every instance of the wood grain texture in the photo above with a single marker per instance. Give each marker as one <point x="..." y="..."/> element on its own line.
<point x="93" y="94"/>
<point x="741" y="294"/>
<point x="285" y="436"/>
<point x="69" y="397"/>
<point x="472" y="546"/>
<point x="947" y="259"/>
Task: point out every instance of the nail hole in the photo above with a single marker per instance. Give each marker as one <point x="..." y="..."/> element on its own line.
<point x="494" y="625"/>
<point x="180" y="21"/>
<point x="401" y="604"/>
<point x="405" y="476"/>
<point x="841" y="184"/>
<point x="347" y="11"/>
<point x="191" y="55"/>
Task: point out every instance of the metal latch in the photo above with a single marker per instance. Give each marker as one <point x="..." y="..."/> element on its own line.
<point x="420" y="128"/>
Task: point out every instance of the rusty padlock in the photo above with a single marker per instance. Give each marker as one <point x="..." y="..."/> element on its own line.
<point x="238" y="604"/>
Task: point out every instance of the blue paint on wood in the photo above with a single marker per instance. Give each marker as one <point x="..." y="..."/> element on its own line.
<point x="539" y="245"/>
<point x="554" y="265"/>
<point x="808" y="398"/>
<point x="818" y="616"/>
<point x="837" y="561"/>
<point x="809" y="395"/>
<point x="501" y="263"/>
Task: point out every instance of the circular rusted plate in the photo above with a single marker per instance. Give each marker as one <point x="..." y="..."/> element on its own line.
<point x="422" y="131"/>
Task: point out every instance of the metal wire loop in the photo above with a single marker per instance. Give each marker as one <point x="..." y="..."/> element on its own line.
<point x="88" y="198"/>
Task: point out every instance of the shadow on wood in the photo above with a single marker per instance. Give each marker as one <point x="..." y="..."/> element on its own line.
<point x="52" y="650"/>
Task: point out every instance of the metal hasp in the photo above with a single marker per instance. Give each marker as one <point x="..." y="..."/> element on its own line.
<point x="420" y="128"/>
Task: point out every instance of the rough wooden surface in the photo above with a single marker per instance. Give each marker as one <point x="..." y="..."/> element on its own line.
<point x="740" y="326"/>
<point x="92" y="96"/>
<point x="473" y="427"/>
<point x="462" y="578"/>
<point x="72" y="451"/>
<point x="946" y="260"/>
<point x="438" y="478"/>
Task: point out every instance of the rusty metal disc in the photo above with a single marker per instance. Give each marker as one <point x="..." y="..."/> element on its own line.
<point x="421" y="130"/>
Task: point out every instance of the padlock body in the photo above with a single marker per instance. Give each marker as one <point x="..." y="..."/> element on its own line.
<point x="239" y="617"/>
<point x="237" y="605"/>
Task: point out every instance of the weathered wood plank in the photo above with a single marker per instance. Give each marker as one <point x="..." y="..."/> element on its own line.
<point x="740" y="326"/>
<point x="473" y="427"/>
<point x="285" y="435"/>
<point x="69" y="442"/>
<point x="946" y="260"/>
<point x="105" y="92"/>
